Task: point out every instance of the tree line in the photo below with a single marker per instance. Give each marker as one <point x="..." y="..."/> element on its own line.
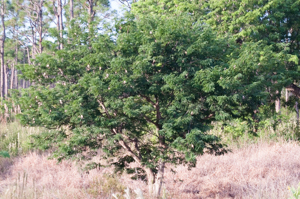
<point x="29" y="28"/>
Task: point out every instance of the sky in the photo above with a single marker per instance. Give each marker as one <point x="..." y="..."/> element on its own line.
<point x="116" y="5"/>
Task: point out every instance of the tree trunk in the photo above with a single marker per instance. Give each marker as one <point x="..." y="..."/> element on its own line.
<point x="6" y="81"/>
<point x="155" y="183"/>
<point x="12" y="77"/>
<point x="33" y="38"/>
<point x="61" y="25"/>
<point x="41" y="26"/>
<point x="57" y="14"/>
<point x="71" y="10"/>
<point x="23" y="83"/>
<point x="150" y="180"/>
<point x="28" y="56"/>
<point x="159" y="178"/>
<point x="2" y="82"/>
<point x="16" y="82"/>
<point x="2" y="73"/>
<point x="277" y="105"/>
<point x="91" y="12"/>
<point x="13" y="74"/>
<point x="91" y="17"/>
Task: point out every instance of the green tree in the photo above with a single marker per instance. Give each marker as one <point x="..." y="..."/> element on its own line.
<point x="149" y="96"/>
<point x="272" y="21"/>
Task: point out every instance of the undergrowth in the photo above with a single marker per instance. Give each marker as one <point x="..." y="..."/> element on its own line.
<point x="15" y="138"/>
<point x="106" y="187"/>
<point x="236" y="134"/>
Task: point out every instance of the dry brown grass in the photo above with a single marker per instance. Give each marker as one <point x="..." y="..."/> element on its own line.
<point x="261" y="170"/>
<point x="257" y="171"/>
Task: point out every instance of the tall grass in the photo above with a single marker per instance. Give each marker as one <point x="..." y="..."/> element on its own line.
<point x="264" y="165"/>
<point x="14" y="138"/>
<point x="237" y="134"/>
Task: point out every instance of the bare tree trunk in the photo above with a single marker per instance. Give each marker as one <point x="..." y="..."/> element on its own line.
<point x="12" y="76"/>
<point x="59" y="21"/>
<point x="28" y="56"/>
<point x="277" y="105"/>
<point x="71" y="10"/>
<point x="91" y="18"/>
<point x="61" y="26"/>
<point x="33" y="38"/>
<point x="5" y="80"/>
<point x="41" y="26"/>
<point x="91" y="11"/>
<point x="2" y="82"/>
<point x="16" y="82"/>
<point x="23" y="83"/>
<point x="150" y="180"/>
<point x="155" y="183"/>
<point x="58" y="28"/>
<point x="159" y="179"/>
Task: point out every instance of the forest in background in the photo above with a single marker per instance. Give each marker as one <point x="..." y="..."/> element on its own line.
<point x="148" y="85"/>
<point x="29" y="28"/>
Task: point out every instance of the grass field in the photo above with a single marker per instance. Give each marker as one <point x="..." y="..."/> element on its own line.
<point x="264" y="166"/>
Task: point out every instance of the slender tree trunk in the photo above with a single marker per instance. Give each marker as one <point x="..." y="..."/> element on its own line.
<point x="159" y="178"/>
<point x="287" y="96"/>
<point x="61" y="26"/>
<point x="28" y="56"/>
<point x="16" y="82"/>
<point x="56" y="10"/>
<point x="33" y="38"/>
<point x="5" y="80"/>
<point x="91" y="12"/>
<point x="2" y="82"/>
<point x="277" y="105"/>
<point x="23" y="83"/>
<point x="2" y="72"/>
<point x="41" y="26"/>
<point x="71" y="10"/>
<point x="91" y="18"/>
<point x="12" y="77"/>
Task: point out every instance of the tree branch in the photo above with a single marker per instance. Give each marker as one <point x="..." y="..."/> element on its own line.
<point x="148" y="99"/>
<point x="104" y="108"/>
<point x="128" y="149"/>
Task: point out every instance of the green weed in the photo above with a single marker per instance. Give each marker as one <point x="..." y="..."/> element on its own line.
<point x="14" y="137"/>
<point x="295" y="192"/>
<point x="106" y="186"/>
